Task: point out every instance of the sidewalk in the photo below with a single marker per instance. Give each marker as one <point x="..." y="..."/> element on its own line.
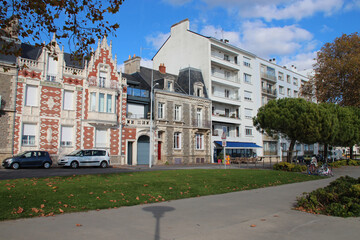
<point x="256" y="214"/>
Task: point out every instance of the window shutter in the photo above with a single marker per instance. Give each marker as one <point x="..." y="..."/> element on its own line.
<point x="29" y="129"/>
<point x="31" y="96"/>
<point x="68" y="100"/>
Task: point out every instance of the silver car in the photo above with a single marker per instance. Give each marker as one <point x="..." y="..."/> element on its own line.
<point x="86" y="158"/>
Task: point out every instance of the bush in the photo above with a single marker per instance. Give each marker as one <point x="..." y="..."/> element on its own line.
<point x="344" y="162"/>
<point x="289" y="167"/>
<point x="341" y="198"/>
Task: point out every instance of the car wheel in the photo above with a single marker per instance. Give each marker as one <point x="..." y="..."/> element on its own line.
<point x="15" y="165"/>
<point x="103" y="164"/>
<point x="46" y="165"/>
<point x="74" y="164"/>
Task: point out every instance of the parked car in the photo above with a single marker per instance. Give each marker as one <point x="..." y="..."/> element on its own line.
<point x="88" y="157"/>
<point x="28" y="159"/>
<point x="298" y="159"/>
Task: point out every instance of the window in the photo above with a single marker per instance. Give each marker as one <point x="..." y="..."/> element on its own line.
<point x="248" y="95"/>
<point x="227" y="75"/>
<point x="101" y="102"/>
<point x="68" y="100"/>
<point x="177" y="140"/>
<point x="28" y="135"/>
<point x="237" y="131"/>
<point x="283" y="146"/>
<point x="93" y="101"/>
<point x="295" y="81"/>
<point x="227" y="112"/>
<point x="66" y="136"/>
<point x="296" y="93"/>
<point x="248" y="113"/>
<point x="177" y="113"/>
<point x="169" y="85"/>
<point x="280" y="76"/>
<point x="227" y="93"/>
<point x="100" y="138"/>
<point x="199" y="92"/>
<point x="109" y="103"/>
<point x="247" y="62"/>
<point x="226" y="57"/>
<point x="51" y="69"/>
<point x="160" y="110"/>
<point x="31" y="96"/>
<point x="288" y="78"/>
<point x="281" y="90"/>
<point x="199" y="117"/>
<point x="248" y="131"/>
<point x="102" y="79"/>
<point x="289" y="92"/>
<point x="247" y="78"/>
<point x="199" y="142"/>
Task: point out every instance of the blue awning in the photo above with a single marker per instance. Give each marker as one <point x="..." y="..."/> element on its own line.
<point x="239" y="144"/>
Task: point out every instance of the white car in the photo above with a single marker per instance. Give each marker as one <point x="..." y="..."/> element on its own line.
<point x="88" y="157"/>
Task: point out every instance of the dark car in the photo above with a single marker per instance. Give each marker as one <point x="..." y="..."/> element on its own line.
<point x="299" y="159"/>
<point x="29" y="159"/>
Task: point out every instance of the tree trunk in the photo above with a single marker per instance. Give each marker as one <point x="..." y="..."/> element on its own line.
<point x="325" y="152"/>
<point x="351" y="153"/>
<point x="291" y="148"/>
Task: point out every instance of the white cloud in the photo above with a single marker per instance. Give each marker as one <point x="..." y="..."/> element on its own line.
<point x="177" y="2"/>
<point x="157" y="40"/>
<point x="280" y="9"/>
<point x="303" y="61"/>
<point x="146" y="63"/>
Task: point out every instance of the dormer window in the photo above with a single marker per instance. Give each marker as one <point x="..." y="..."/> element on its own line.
<point x="102" y="79"/>
<point x="198" y="89"/>
<point x="51" y="69"/>
<point x="170" y="85"/>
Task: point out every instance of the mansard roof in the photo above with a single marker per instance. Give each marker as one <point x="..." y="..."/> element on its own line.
<point x="142" y="80"/>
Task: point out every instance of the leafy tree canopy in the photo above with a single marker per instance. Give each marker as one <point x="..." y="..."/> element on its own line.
<point x="80" y="22"/>
<point x="337" y="72"/>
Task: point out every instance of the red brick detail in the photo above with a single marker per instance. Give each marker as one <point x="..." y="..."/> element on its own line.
<point x="114" y="141"/>
<point x="30" y="74"/>
<point x="78" y="135"/>
<point x="20" y="98"/>
<point x="73" y="81"/>
<point x="17" y="138"/>
<point x="79" y="104"/>
<point x="50" y="103"/>
<point x="89" y="137"/>
<point x="49" y="135"/>
<point x="87" y="100"/>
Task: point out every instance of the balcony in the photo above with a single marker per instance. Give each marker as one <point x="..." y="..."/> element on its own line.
<point x="232" y="119"/>
<point x="102" y="118"/>
<point x="267" y="76"/>
<point x="135" y="92"/>
<point x="201" y="123"/>
<point x="137" y="122"/>
<point x="269" y="92"/>
<point x="224" y="61"/>
<point x="220" y="77"/>
<point x="230" y="99"/>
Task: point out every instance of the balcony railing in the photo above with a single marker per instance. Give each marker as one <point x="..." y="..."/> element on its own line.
<point x="201" y="123"/>
<point x="231" y="97"/>
<point x="269" y="91"/>
<point x="231" y="77"/>
<point x="268" y="76"/>
<point x="135" y="116"/>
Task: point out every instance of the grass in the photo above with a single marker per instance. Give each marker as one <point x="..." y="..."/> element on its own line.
<point x="22" y="198"/>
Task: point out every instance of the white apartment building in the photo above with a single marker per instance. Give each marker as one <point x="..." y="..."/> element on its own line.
<point x="237" y="82"/>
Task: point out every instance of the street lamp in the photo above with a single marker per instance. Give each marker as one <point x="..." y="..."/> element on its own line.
<point x="151" y="122"/>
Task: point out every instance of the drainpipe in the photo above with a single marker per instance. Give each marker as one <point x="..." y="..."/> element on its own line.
<point x="121" y="125"/>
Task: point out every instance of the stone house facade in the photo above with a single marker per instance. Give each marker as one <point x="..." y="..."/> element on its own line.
<point x="63" y="105"/>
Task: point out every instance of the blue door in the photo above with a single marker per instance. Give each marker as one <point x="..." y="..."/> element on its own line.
<point x="143" y="146"/>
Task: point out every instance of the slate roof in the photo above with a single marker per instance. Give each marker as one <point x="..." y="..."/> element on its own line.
<point x="142" y="80"/>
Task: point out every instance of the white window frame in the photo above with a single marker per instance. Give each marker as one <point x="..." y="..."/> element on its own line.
<point x="177" y="113"/>
<point x="247" y="95"/>
<point x="161" y="112"/>
<point x="68" y="100"/>
<point x="31" y="96"/>
<point x="102" y="103"/>
<point x="177" y="140"/>
<point x="109" y="105"/>
<point x="281" y="90"/>
<point x="66" y="136"/>
<point x="102" y="78"/>
<point x="93" y="101"/>
<point x="248" y="131"/>
<point x="28" y="134"/>
<point x="248" y="113"/>
<point x="100" y="138"/>
<point x="247" y="78"/>
<point x="199" y="141"/>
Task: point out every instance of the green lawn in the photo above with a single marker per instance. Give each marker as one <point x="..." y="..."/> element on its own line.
<point x="23" y="198"/>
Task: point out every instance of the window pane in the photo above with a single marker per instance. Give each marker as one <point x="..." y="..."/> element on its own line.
<point x="66" y="136"/>
<point x="31" y="96"/>
<point x="68" y="100"/>
<point x="100" y="136"/>
<point x="101" y="102"/>
<point x="109" y="103"/>
<point x="92" y="101"/>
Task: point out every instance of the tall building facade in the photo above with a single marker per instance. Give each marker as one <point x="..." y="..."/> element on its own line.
<point x="63" y="105"/>
<point x="238" y="83"/>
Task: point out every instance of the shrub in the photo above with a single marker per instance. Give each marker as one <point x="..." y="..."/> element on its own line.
<point x="344" y="162"/>
<point x="341" y="198"/>
<point x="289" y="167"/>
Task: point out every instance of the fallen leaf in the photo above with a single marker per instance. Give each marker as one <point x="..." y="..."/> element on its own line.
<point x="78" y="225"/>
<point x="20" y="210"/>
<point x="252" y="225"/>
<point x="35" y="210"/>
<point x="60" y="210"/>
<point x="42" y="205"/>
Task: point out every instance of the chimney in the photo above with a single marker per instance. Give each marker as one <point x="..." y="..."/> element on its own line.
<point x="132" y="65"/>
<point x="274" y="60"/>
<point x="162" y="68"/>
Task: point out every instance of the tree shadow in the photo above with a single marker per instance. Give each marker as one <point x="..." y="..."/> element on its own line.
<point x="158" y="212"/>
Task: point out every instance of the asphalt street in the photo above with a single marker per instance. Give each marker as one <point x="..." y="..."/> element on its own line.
<point x="255" y="214"/>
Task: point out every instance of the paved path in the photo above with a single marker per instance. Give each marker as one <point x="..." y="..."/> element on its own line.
<point x="256" y="214"/>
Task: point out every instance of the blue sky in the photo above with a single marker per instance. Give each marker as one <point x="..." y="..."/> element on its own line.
<point x="289" y="30"/>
